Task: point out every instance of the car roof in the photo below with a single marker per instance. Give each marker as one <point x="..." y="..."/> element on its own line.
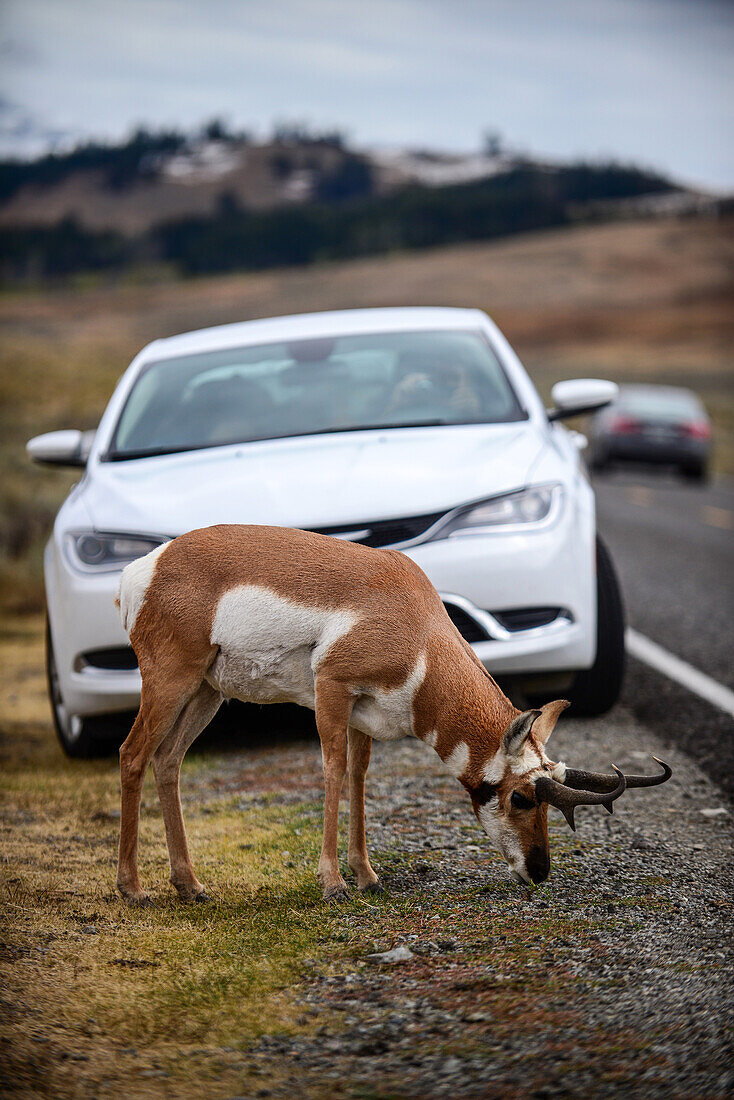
<point x="630" y="391"/>
<point x="634" y="394"/>
<point x="304" y="325"/>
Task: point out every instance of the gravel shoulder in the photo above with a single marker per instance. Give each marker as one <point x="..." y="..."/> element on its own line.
<point x="615" y="976"/>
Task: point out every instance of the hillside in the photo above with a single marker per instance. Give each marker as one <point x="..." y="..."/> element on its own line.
<point x="221" y="203"/>
<point x="128" y="190"/>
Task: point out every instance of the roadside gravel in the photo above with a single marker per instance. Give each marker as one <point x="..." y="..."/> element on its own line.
<point x="614" y="978"/>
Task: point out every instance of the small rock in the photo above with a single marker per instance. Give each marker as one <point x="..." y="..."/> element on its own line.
<point x="90" y="930"/>
<point x="397" y="955"/>
<point x="714" y="811"/>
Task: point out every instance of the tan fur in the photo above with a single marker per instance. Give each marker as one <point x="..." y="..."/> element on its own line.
<point x="400" y="618"/>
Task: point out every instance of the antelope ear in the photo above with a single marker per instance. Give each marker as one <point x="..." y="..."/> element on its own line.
<point x="518" y="732"/>
<point x="545" y="725"/>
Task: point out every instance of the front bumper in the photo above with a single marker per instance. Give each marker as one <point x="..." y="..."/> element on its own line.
<point x="548" y="567"/>
<point x="479" y="574"/>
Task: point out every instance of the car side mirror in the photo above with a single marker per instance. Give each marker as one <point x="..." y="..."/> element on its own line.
<point x="580" y="395"/>
<point x="66" y="448"/>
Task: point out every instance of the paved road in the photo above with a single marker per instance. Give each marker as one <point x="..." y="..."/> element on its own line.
<point x="673" y="545"/>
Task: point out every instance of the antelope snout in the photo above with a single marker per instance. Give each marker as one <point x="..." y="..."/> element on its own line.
<point x="537" y="864"/>
<point x="533" y="870"/>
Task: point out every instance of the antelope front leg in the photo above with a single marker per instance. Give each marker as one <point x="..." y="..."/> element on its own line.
<point x="333" y="707"/>
<point x="360" y="747"/>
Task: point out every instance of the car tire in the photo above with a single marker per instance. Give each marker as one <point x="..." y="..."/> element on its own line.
<point x="695" y="471"/>
<point x="599" y="462"/>
<point x="595" y="690"/>
<point x="80" y="738"/>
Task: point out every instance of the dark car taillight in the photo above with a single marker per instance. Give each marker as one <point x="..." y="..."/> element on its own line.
<point x="625" y="425"/>
<point x="696" y="429"/>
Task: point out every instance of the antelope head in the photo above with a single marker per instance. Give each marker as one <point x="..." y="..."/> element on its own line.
<point x="520" y="782"/>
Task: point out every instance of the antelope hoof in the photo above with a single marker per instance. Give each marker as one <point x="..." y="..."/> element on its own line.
<point x="373" y="888"/>
<point x="336" y="893"/>
<point x="192" y="893"/>
<point x="136" y="899"/>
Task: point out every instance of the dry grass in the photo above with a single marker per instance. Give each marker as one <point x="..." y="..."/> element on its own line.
<point x="94" y="995"/>
<point x="636" y="301"/>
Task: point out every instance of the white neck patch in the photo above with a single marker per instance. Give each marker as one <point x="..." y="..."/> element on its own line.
<point x="494" y="769"/>
<point x="458" y="761"/>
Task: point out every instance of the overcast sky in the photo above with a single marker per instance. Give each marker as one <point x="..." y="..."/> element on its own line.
<point x="650" y="81"/>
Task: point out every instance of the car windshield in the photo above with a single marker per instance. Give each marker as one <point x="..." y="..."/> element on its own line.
<point x="308" y="387"/>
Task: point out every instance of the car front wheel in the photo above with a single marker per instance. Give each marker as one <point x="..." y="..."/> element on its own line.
<point x="80" y="738"/>
<point x="595" y="690"/>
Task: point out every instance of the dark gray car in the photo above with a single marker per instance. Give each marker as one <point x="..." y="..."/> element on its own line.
<point x="665" y="425"/>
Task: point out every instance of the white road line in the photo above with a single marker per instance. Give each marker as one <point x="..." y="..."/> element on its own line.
<point x="644" y="649"/>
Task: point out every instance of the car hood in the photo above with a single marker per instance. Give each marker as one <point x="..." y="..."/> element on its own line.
<point x="313" y="481"/>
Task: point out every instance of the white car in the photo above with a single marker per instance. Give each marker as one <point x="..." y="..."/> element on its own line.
<point x="411" y="428"/>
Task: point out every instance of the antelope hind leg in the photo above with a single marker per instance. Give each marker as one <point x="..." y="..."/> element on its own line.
<point x="194" y="718"/>
<point x="156" y="717"/>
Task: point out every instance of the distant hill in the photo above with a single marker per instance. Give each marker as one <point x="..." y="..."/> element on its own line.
<point x="155" y="176"/>
<point x="217" y="201"/>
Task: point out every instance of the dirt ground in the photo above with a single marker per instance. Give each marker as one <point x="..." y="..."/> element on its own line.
<point x="612" y="979"/>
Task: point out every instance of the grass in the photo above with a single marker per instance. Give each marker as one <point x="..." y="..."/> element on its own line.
<point x="89" y="975"/>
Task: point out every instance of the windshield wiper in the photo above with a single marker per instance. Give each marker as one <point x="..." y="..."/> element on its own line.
<point x="381" y="427"/>
<point x="156" y="452"/>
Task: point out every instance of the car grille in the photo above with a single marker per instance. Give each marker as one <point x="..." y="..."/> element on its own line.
<point x="384" y="532"/>
<point x="526" y="618"/>
<point x="115" y="659"/>
<point x="468" y="627"/>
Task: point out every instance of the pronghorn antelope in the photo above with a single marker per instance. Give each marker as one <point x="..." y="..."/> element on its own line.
<point x="269" y="614"/>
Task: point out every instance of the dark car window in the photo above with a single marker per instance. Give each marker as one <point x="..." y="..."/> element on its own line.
<point x="658" y="403"/>
<point x="346" y="383"/>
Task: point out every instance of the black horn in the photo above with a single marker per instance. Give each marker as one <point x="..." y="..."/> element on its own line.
<point x="566" y="799"/>
<point x="598" y="781"/>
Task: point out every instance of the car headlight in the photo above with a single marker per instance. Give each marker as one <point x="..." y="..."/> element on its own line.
<point x="93" y="550"/>
<point x="526" y="508"/>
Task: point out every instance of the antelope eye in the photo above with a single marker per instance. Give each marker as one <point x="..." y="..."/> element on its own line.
<point x="520" y="802"/>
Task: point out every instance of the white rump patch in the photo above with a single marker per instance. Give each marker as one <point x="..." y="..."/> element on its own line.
<point x="458" y="761"/>
<point x="134" y="584"/>
<point x="270" y="647"/>
<point x="431" y="738"/>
